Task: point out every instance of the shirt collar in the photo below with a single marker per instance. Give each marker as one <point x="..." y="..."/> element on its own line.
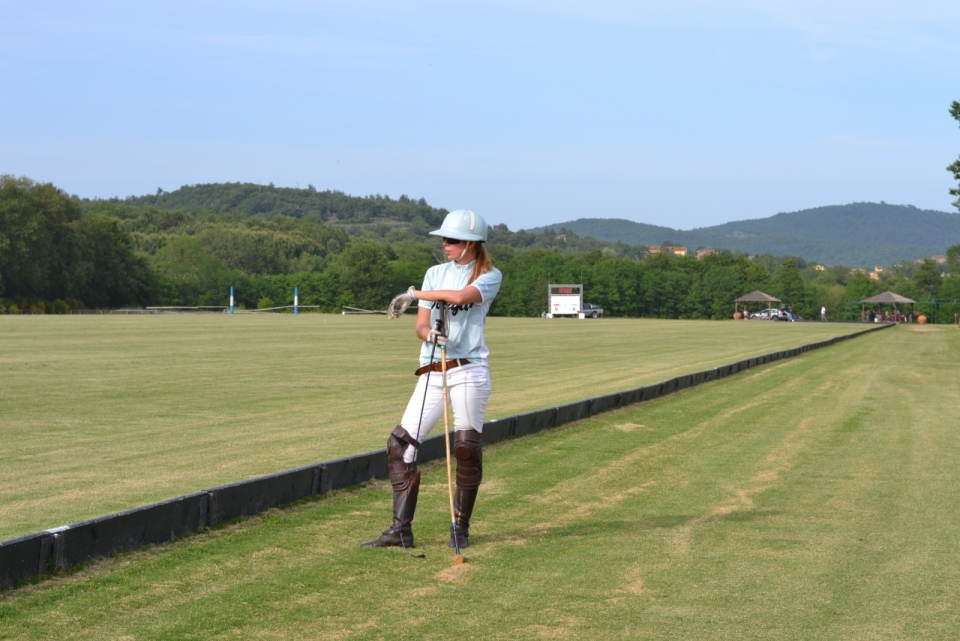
<point x="463" y="268"/>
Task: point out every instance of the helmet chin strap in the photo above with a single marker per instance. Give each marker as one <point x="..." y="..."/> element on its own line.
<point x="466" y="246"/>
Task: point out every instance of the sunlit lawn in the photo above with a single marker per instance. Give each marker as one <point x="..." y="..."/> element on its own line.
<point x="814" y="498"/>
<point x="104" y="413"/>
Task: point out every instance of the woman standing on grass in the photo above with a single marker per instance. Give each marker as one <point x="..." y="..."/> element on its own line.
<point x="467" y="284"/>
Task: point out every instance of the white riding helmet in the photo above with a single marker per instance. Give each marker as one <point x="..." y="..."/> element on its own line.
<point x="463" y="224"/>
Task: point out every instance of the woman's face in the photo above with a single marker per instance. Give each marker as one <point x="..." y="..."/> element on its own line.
<point x="453" y="252"/>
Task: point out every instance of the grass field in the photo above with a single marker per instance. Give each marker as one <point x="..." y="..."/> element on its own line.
<point x="814" y="498"/>
<point x="104" y="413"/>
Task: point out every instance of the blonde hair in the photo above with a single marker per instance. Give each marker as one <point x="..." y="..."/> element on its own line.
<point x="483" y="263"/>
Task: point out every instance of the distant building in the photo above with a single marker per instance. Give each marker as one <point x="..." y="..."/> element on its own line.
<point x="705" y="252"/>
<point x="856" y="270"/>
<point x="679" y="250"/>
<point x="562" y="237"/>
<point x="874" y="276"/>
<point x="878" y="269"/>
<point x="818" y="267"/>
<point x="939" y="258"/>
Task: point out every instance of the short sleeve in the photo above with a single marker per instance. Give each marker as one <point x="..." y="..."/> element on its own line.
<point x="428" y="285"/>
<point x="488" y="284"/>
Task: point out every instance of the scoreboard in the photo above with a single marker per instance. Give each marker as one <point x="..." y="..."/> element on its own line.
<point x="564" y="300"/>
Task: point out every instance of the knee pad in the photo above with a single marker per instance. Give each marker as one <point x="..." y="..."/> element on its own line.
<point x="401" y="472"/>
<point x="466" y="449"/>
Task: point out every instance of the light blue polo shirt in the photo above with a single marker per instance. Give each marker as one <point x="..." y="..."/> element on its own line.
<point x="465" y="334"/>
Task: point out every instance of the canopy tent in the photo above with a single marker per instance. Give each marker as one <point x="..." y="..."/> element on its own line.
<point x="753" y="297"/>
<point x="885" y="297"/>
<point x="888" y="297"/>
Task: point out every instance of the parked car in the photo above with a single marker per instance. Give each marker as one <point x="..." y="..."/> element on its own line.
<point x="770" y="314"/>
<point x="592" y="311"/>
<point x="777" y="315"/>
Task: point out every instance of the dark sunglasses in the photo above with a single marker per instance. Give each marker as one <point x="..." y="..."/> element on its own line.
<point x="452" y="241"/>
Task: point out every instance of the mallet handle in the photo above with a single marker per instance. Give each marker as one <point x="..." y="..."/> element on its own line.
<point x="446" y="430"/>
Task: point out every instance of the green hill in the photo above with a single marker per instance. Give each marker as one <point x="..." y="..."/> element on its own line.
<point x="268" y="201"/>
<point x="859" y="234"/>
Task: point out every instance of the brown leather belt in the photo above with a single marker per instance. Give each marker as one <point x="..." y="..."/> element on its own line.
<point x="437" y="367"/>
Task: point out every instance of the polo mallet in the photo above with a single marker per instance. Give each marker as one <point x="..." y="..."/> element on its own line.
<point x="423" y="405"/>
<point x="419" y="427"/>
<point x="446" y="436"/>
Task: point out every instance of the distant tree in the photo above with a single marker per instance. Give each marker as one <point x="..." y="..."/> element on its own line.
<point x="789" y="285"/>
<point x="953" y="260"/>
<point x="955" y="167"/>
<point x="50" y="250"/>
<point x="365" y="274"/>
<point x="615" y="286"/>
<point x="106" y="272"/>
<point x="189" y="276"/>
<point x="927" y="278"/>
<point x="859" y="286"/>
<point x="34" y="235"/>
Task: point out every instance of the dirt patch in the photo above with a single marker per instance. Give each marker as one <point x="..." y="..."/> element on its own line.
<point x="542" y="632"/>
<point x="635" y="584"/>
<point x="454" y="572"/>
<point x="630" y="427"/>
<point x="494" y="487"/>
<point x="924" y="328"/>
<point x="584" y="509"/>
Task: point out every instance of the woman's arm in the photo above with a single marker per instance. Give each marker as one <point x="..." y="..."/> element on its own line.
<point x="465" y="296"/>
<point x="423" y="323"/>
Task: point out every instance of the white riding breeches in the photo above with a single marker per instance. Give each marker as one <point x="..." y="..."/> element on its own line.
<point x="468" y="387"/>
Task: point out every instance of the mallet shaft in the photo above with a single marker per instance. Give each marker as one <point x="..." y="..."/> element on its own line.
<point x="446" y="431"/>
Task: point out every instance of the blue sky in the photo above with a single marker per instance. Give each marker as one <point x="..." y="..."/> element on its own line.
<point x="683" y="114"/>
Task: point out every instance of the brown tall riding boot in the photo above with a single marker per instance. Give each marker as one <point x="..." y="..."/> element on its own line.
<point x="466" y="448"/>
<point x="405" y="478"/>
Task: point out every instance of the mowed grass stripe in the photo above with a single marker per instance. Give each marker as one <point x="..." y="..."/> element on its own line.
<point x="811" y="499"/>
<point x="105" y="413"/>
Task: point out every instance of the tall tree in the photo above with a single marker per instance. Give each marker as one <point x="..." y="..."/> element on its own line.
<point x="788" y="283"/>
<point x="955" y="167"/>
<point x="34" y="236"/>
<point x="953" y="260"/>
<point x="927" y="278"/>
<point x="365" y="274"/>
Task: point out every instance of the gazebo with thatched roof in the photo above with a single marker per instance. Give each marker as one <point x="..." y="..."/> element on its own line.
<point x="753" y="297"/>
<point x="884" y="298"/>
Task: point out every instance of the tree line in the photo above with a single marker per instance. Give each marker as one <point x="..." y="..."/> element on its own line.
<point x="59" y="253"/>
